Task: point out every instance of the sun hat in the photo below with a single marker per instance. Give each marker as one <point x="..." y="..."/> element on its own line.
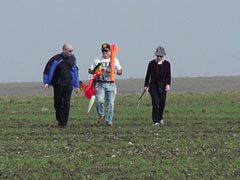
<point x="160" y="51"/>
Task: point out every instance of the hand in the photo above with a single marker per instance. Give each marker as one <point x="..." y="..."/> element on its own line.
<point x="145" y="88"/>
<point x="119" y="72"/>
<point x="46" y="86"/>
<point x="77" y="90"/>
<point x="103" y="70"/>
<point x="167" y="88"/>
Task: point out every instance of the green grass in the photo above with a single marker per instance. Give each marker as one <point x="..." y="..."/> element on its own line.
<point x="200" y="139"/>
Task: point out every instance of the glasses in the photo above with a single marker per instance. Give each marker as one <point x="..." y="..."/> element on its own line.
<point x="159" y="56"/>
<point x="71" y="50"/>
<point x="105" y="50"/>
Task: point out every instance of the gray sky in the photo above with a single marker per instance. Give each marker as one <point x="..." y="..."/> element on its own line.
<point x="201" y="38"/>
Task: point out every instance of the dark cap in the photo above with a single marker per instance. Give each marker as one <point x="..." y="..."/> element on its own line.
<point x="105" y="47"/>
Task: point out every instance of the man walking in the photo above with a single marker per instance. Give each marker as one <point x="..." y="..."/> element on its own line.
<point x="106" y="89"/>
<point x="61" y="72"/>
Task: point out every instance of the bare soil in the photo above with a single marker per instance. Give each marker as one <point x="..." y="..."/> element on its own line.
<point x="179" y="85"/>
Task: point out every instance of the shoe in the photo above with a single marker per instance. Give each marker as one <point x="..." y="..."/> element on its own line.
<point x="161" y="122"/>
<point x="100" y="120"/>
<point x="110" y="124"/>
<point x="62" y="126"/>
<point x="156" y="124"/>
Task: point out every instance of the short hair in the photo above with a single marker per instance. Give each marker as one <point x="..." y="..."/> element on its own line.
<point x="64" y="46"/>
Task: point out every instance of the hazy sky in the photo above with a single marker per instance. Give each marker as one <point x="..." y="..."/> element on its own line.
<point x="201" y="38"/>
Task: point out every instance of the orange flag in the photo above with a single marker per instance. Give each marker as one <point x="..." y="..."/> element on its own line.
<point x="113" y="49"/>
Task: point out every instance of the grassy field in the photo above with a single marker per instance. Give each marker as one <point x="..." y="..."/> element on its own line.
<point x="200" y="139"/>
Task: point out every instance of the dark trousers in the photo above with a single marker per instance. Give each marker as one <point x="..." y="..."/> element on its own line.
<point x="62" y="96"/>
<point x="158" y="103"/>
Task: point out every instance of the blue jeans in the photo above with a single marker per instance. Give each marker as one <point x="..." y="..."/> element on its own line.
<point x="106" y="91"/>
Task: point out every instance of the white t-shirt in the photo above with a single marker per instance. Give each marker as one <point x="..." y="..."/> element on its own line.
<point x="105" y="65"/>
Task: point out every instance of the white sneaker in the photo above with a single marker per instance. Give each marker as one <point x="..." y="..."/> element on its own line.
<point x="156" y="124"/>
<point x="109" y="123"/>
<point x="161" y="122"/>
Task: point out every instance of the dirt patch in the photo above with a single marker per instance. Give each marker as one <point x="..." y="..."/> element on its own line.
<point x="179" y="85"/>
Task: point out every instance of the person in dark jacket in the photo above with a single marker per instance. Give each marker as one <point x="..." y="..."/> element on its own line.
<point x="158" y="81"/>
<point x="61" y="72"/>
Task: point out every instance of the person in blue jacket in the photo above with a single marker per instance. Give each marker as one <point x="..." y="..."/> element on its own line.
<point x="61" y="72"/>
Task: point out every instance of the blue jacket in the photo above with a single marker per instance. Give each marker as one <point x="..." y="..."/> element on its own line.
<point x="52" y="65"/>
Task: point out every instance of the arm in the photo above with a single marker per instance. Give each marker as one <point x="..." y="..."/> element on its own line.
<point x="147" y="77"/>
<point x="75" y="76"/>
<point x="118" y="68"/>
<point x="94" y="67"/>
<point x="46" y="72"/>
<point x="168" y="79"/>
<point x="76" y="79"/>
<point x="90" y="71"/>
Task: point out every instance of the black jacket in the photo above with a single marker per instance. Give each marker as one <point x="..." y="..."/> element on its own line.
<point x="61" y="70"/>
<point x="158" y="74"/>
